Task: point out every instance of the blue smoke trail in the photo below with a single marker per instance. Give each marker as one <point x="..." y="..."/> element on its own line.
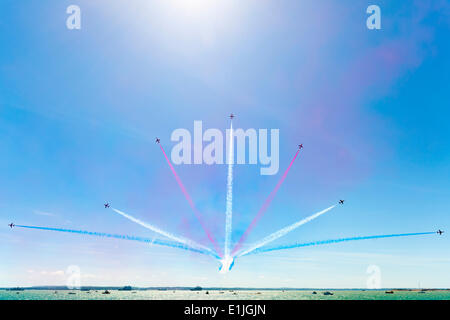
<point x="316" y="243"/>
<point x="126" y="237"/>
<point x="280" y="233"/>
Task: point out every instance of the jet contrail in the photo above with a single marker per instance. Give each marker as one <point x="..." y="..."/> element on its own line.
<point x="191" y="203"/>
<point x="264" y="206"/>
<point x="276" y="235"/>
<point x="187" y="242"/>
<point x="316" y="243"/>
<point x="124" y="237"/>
<point x="229" y="208"/>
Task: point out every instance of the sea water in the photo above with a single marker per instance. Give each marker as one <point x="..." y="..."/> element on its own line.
<point x="223" y="295"/>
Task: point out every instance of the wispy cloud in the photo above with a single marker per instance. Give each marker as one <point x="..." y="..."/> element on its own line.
<point x="46" y="272"/>
<point x="352" y="257"/>
<point x="44" y="213"/>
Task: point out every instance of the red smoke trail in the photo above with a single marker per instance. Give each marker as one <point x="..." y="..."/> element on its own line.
<point x="191" y="203"/>
<point x="264" y="207"/>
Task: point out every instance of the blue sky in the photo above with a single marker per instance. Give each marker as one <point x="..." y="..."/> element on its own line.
<point x="79" y="111"/>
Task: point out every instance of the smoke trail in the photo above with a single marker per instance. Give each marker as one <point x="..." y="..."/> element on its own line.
<point x="187" y="242"/>
<point x="124" y="237"/>
<point x="229" y="208"/>
<point x="276" y="235"/>
<point x="316" y="243"/>
<point x="191" y="203"/>
<point x="264" y="206"/>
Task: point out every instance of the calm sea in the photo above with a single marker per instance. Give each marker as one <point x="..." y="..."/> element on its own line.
<point x="222" y="295"/>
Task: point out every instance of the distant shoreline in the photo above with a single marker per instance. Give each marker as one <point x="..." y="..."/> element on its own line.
<point x="129" y="288"/>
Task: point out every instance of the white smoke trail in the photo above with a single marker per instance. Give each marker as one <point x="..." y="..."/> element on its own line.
<point x="276" y="235"/>
<point x="123" y="237"/>
<point x="187" y="242"/>
<point x="229" y="208"/>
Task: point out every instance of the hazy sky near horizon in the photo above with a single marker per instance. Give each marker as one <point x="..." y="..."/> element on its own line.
<point x="80" y="109"/>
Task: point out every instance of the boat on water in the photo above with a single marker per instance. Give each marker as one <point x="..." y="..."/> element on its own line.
<point x="106" y="292"/>
<point x="328" y="293"/>
<point x="389" y="292"/>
